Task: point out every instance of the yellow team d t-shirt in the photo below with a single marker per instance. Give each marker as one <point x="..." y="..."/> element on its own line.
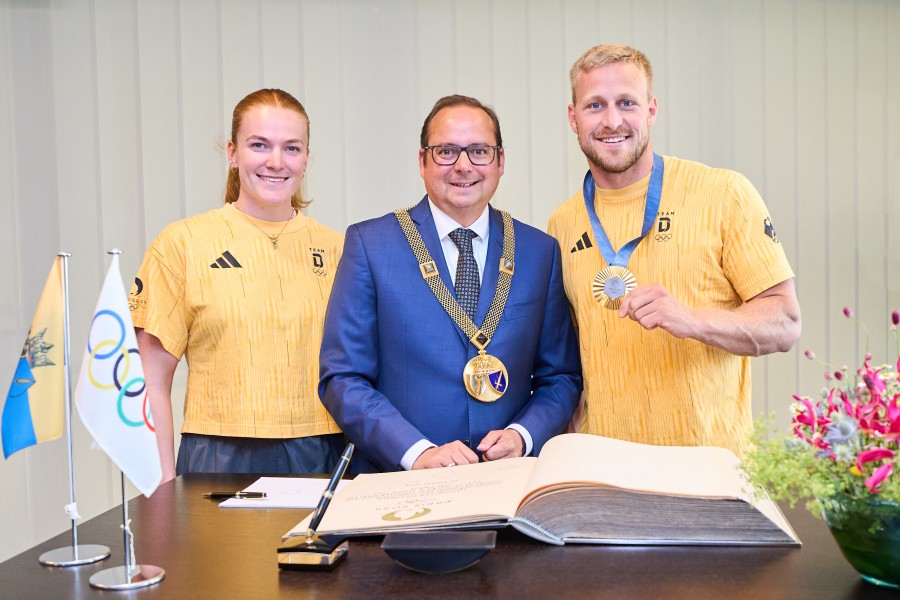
<point x="713" y="246"/>
<point x="248" y="318"/>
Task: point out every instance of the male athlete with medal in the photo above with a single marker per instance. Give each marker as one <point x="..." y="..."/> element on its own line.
<point x="673" y="270"/>
<point x="448" y="337"/>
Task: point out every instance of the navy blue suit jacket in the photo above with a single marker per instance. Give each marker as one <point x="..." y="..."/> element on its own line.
<point x="392" y="359"/>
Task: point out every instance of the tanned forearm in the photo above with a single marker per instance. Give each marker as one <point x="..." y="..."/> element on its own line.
<point x="763" y="325"/>
<point x="769" y="322"/>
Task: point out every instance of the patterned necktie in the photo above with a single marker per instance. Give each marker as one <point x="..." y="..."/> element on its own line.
<point x="467" y="284"/>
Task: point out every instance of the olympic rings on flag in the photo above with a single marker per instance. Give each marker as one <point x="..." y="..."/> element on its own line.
<point x="121" y="336"/>
<point x="94" y="355"/>
<point x="120" y="372"/>
<point x="116" y="374"/>
<point x="122" y="394"/>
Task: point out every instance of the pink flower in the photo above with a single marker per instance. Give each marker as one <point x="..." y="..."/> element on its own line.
<point x="895" y="318"/>
<point x="847" y="312"/>
<point x="873" y="455"/>
<point x="809" y="354"/>
<point x="880" y="474"/>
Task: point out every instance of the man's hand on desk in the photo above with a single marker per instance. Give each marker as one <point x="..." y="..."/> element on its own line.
<point x="504" y="443"/>
<point x="448" y="455"/>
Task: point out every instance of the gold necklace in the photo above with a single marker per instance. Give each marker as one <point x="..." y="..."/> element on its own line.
<point x="272" y="238"/>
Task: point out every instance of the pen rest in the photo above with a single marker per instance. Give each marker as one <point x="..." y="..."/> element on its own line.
<point x="322" y="554"/>
<point x="438" y="551"/>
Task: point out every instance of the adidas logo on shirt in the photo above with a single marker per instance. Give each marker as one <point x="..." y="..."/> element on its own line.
<point x="583" y="243"/>
<point x="226" y="261"/>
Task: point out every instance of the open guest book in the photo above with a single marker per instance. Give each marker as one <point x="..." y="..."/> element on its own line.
<point x="582" y="489"/>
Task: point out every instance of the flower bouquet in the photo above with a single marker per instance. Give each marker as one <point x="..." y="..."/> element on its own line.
<point x="841" y="457"/>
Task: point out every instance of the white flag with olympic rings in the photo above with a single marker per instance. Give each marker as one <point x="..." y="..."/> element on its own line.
<point x="112" y="395"/>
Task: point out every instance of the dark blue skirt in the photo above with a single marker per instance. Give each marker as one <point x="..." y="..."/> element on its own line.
<point x="220" y="454"/>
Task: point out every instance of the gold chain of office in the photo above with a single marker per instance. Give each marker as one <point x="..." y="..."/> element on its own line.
<point x="480" y="337"/>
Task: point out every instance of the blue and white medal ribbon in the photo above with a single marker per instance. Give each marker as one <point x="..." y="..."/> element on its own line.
<point x="613" y="282"/>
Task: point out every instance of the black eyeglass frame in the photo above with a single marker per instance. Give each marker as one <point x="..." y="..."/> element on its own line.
<point x="460" y="150"/>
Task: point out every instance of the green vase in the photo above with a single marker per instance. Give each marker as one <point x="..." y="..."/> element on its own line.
<point x="868" y="533"/>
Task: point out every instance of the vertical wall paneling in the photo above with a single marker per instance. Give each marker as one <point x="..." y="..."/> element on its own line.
<point x="811" y="233"/>
<point x="892" y="152"/>
<point x="472" y="49"/>
<point x="203" y="112"/>
<point x="434" y="34"/>
<point x="162" y="155"/>
<point x="114" y="115"/>
<point x="281" y="60"/>
<point x="322" y="60"/>
<point x="13" y="306"/>
<point x="714" y="98"/>
<point x="242" y="53"/>
<point x="869" y="130"/>
<point x="582" y="20"/>
<point x="11" y="318"/>
<point x="35" y="188"/>
<point x="650" y="36"/>
<point x="376" y="34"/>
<point x="119" y="129"/>
<point x="509" y="42"/>
<point x="683" y="51"/>
<point x="841" y="202"/>
<point x="548" y="98"/>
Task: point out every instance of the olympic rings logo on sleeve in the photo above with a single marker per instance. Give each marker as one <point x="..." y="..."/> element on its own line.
<point x="114" y="367"/>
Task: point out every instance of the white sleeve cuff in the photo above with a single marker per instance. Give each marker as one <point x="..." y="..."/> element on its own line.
<point x="525" y="436"/>
<point x="413" y="453"/>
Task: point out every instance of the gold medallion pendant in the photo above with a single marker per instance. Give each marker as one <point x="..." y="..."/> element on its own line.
<point x="611" y="285"/>
<point x="485" y="377"/>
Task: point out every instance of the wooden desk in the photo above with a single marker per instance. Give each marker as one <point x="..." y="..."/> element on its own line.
<point x="213" y="553"/>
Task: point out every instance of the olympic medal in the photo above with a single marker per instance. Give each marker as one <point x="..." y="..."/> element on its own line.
<point x="485" y="377"/>
<point x="611" y="285"/>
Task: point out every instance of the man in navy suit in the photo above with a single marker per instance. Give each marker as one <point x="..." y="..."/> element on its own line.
<point x="448" y="337"/>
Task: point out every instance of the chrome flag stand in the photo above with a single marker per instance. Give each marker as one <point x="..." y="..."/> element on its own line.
<point x="92" y="399"/>
<point x="131" y="575"/>
<point x="69" y="556"/>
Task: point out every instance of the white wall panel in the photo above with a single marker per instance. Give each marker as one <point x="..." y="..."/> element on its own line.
<point x="114" y="115"/>
<point x="203" y="105"/>
<point x="546" y="56"/>
<point x="872" y="201"/>
<point x="323" y="57"/>
<point x="892" y="152"/>
<point x="810" y="234"/>
<point x="162" y="153"/>
<point x="241" y="50"/>
<point x="842" y="251"/>
<point x="512" y="102"/>
<point x="12" y="311"/>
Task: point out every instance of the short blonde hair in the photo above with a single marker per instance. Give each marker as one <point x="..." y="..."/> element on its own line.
<point x="608" y="54"/>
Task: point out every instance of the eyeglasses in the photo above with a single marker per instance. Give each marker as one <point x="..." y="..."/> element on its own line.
<point x="448" y="154"/>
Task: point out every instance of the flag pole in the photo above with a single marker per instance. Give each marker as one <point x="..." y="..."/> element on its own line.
<point x="131" y="575"/>
<point x="70" y="556"/>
